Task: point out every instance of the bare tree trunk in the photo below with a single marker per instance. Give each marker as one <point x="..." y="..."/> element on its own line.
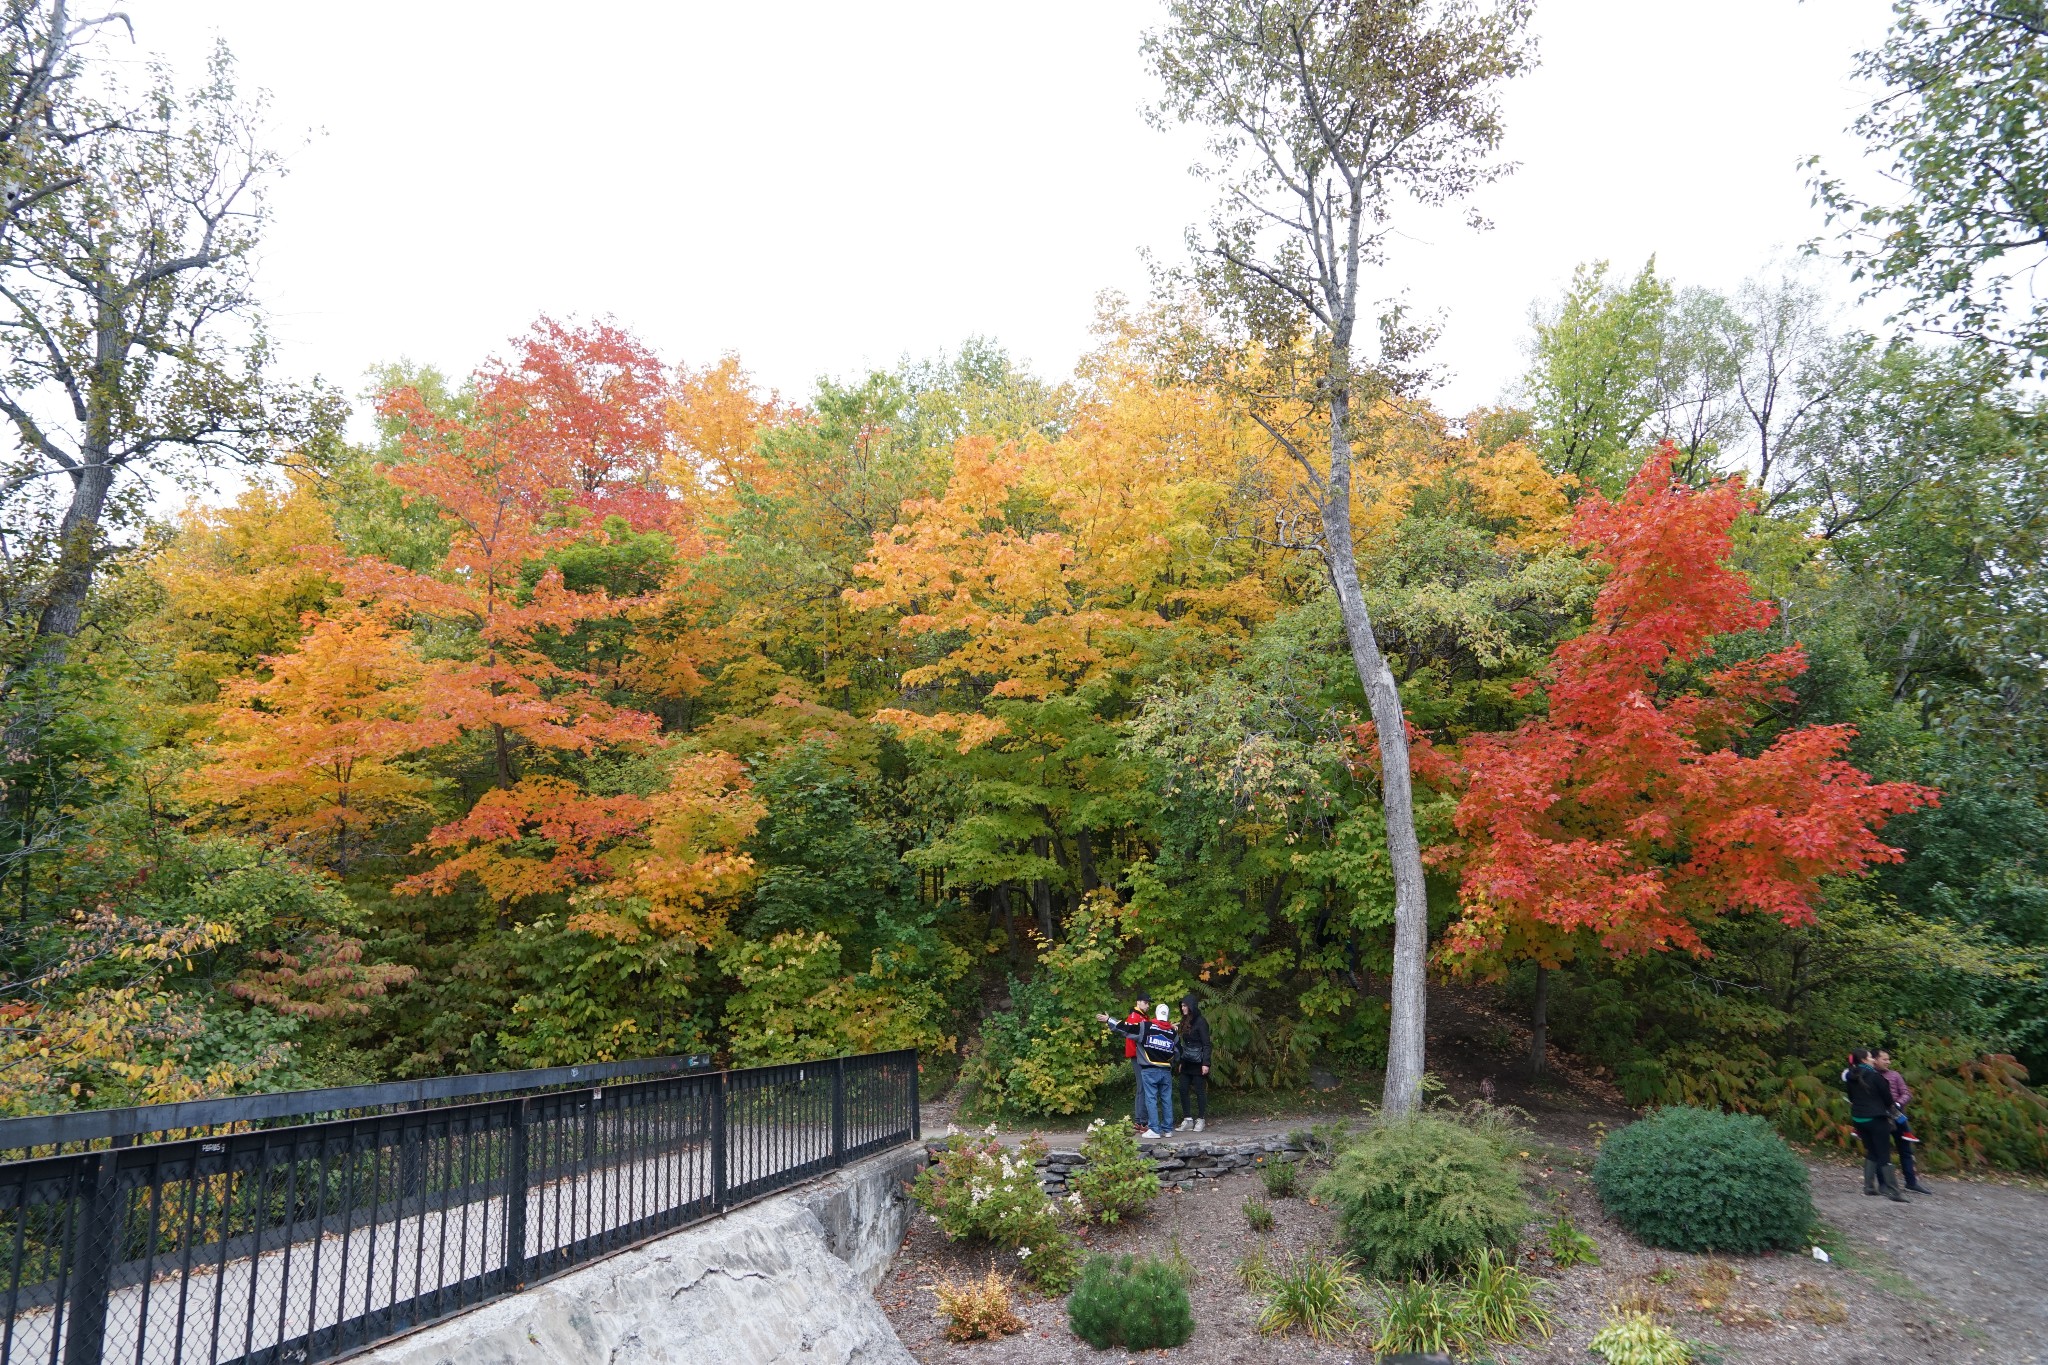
<point x="1408" y="998"/>
<point x="1539" y="1025"/>
<point x="1084" y="845"/>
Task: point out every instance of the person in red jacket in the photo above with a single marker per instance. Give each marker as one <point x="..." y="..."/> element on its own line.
<point x="1135" y="1023"/>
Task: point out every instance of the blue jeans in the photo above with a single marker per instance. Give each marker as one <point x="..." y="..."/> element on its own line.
<point x="1158" y="1084"/>
<point x="1137" y="1090"/>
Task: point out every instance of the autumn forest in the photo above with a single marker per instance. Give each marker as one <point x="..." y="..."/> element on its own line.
<point x="601" y="703"/>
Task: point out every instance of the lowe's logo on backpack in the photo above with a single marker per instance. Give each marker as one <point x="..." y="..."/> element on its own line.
<point x="1159" y="1044"/>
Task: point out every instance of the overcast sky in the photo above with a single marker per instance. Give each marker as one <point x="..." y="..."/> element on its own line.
<point x="825" y="187"/>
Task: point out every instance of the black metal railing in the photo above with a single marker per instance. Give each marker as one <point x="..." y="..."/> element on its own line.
<point x="302" y="1243"/>
<point x="90" y="1129"/>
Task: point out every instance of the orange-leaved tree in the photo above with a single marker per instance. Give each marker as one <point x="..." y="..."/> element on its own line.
<point x="308" y="754"/>
<point x="592" y="405"/>
<point x="505" y="496"/>
<point x="1631" y="815"/>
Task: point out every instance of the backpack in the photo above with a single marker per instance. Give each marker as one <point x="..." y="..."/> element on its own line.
<point x="1158" y="1045"/>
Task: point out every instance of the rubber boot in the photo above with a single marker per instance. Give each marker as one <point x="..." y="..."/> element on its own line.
<point x="1891" y="1190"/>
<point x="1869" y="1176"/>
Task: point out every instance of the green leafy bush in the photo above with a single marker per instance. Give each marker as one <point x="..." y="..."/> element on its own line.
<point x="1569" y="1246"/>
<point x="1258" y="1214"/>
<point x="1697" y="1180"/>
<point x="1045" y="1055"/>
<point x="1118" y="1179"/>
<point x="1139" y="1305"/>
<point x="1282" y="1177"/>
<point x="977" y="1191"/>
<point x="1425" y="1196"/>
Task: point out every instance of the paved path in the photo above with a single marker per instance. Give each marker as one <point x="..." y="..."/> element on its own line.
<point x="1978" y="1250"/>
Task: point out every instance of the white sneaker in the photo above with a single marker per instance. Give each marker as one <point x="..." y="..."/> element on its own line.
<point x="1199" y="1123"/>
<point x="1187" y="1123"/>
<point x="1149" y="1136"/>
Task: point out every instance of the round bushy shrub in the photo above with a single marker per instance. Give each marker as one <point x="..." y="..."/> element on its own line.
<point x="1424" y="1196"/>
<point x="1700" y="1180"/>
<point x="1138" y="1305"/>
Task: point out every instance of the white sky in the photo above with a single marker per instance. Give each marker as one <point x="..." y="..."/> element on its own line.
<point x="825" y="187"/>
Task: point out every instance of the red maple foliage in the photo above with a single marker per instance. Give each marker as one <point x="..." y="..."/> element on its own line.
<point x="591" y="408"/>
<point x="1628" y="816"/>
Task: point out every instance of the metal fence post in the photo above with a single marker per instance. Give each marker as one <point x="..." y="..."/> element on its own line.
<point x="838" y="1111"/>
<point x="515" y="1196"/>
<point x="98" y="1244"/>
<point x="718" y="1181"/>
<point x="916" y="1104"/>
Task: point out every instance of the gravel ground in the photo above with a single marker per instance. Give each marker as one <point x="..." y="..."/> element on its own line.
<point x="1859" y="1309"/>
<point x="1955" y="1276"/>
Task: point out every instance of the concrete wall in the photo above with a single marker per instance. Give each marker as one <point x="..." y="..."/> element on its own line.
<point x="789" y="1279"/>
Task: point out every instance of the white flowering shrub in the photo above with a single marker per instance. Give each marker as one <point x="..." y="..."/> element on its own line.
<point x="976" y="1190"/>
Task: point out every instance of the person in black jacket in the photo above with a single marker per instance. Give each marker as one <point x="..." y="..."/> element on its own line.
<point x="1870" y="1109"/>
<point x="1193" y="1064"/>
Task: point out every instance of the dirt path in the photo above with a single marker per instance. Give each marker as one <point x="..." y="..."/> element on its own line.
<point x="1978" y="1251"/>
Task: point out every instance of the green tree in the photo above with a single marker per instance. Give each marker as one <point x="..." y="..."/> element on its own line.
<point x="1322" y="117"/>
<point x="1959" y="131"/>
<point x="1593" y="381"/>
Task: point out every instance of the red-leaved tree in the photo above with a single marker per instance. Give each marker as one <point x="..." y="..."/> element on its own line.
<point x="1629" y="817"/>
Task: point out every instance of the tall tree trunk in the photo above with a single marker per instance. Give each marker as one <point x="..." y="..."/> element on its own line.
<point x="1539" y="1025"/>
<point x="78" y="536"/>
<point x="1041" y="889"/>
<point x="1085" y="850"/>
<point x="1408" y="999"/>
<point x="1002" y="899"/>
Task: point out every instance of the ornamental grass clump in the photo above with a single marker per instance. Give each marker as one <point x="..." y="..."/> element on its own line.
<point x="1700" y="1180"/>
<point x="1424" y="1196"/>
<point x="977" y="1310"/>
<point x="1639" y="1339"/>
<point x="1116" y="1180"/>
<point x="1311" y="1293"/>
<point x="1138" y="1305"/>
<point x="977" y="1191"/>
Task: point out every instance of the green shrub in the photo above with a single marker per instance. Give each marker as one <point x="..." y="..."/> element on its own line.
<point x="1312" y="1292"/>
<point x="1697" y="1180"/>
<point x="1139" y="1305"/>
<point x="1045" y="1055"/>
<point x="976" y="1191"/>
<point x="1639" y="1339"/>
<point x="1117" y="1180"/>
<point x="1281" y="1177"/>
<point x="1258" y="1213"/>
<point x="1424" y="1196"/>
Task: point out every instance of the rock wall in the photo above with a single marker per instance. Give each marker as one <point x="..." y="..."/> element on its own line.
<point x="789" y="1279"/>
<point x="1176" y="1159"/>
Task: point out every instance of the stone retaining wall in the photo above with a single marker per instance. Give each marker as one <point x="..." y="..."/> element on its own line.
<point x="1176" y="1159"/>
<point x="786" y="1281"/>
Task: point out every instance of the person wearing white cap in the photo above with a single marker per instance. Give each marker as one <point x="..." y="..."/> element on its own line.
<point x="1158" y="1044"/>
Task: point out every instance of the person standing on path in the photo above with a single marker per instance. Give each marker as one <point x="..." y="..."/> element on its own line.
<point x="1134" y="1025"/>
<point x="1194" y="1064"/>
<point x="1902" y="1123"/>
<point x="1158" y="1045"/>
<point x="1870" y="1109"/>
